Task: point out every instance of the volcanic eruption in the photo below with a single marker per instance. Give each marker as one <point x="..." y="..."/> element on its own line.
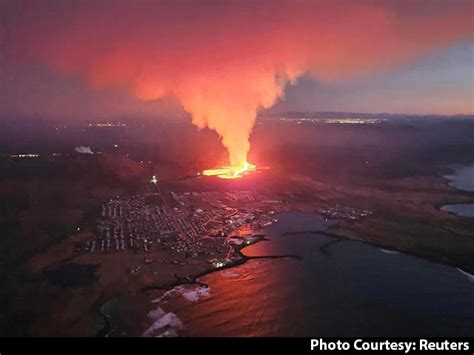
<point x="232" y="59"/>
<point x="231" y="172"/>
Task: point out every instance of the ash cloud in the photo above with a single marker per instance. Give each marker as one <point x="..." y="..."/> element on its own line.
<point x="225" y="60"/>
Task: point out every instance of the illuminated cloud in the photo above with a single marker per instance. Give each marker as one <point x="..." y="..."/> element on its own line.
<point x="224" y="60"/>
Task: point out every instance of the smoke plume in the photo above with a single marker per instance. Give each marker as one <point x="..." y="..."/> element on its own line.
<point x="225" y="60"/>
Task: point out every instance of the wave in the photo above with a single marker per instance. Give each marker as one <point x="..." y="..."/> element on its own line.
<point x="469" y="275"/>
<point x="164" y="324"/>
<point x="386" y="251"/>
<point x="167" y="324"/>
<point x="164" y="297"/>
<point x="192" y="294"/>
<point x="195" y="294"/>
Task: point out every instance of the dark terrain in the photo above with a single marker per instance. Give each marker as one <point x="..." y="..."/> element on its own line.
<point x="394" y="168"/>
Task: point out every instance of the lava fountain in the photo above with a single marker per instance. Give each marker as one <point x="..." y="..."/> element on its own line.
<point x="231" y="172"/>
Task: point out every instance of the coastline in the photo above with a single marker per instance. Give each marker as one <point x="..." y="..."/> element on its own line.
<point x="390" y="248"/>
<point x="194" y="279"/>
<point x="242" y="258"/>
<point x="323" y="249"/>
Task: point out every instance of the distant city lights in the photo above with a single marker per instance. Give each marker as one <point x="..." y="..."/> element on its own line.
<point x="26" y="155"/>
<point x="348" y="120"/>
<point x="218" y="264"/>
<point x="107" y="124"/>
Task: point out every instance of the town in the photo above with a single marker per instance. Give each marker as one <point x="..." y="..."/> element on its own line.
<point x="179" y="223"/>
<point x="342" y="212"/>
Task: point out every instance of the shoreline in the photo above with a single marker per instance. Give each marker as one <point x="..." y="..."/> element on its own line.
<point x="420" y="255"/>
<point x="190" y="280"/>
<point x="194" y="279"/>
<point x="253" y="239"/>
<point x="107" y="329"/>
<point x="451" y="182"/>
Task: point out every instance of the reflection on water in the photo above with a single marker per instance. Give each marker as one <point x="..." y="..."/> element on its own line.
<point x="351" y="289"/>
<point x="463" y="178"/>
<point x="460" y="209"/>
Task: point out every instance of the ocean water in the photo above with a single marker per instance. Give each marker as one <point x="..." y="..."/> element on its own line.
<point x="338" y="288"/>
<point x="462" y="178"/>
<point x="460" y="209"/>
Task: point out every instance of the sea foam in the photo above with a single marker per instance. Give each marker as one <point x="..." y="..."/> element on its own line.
<point x="469" y="275"/>
<point x="388" y="251"/>
<point x="192" y="294"/>
<point x="195" y="294"/>
<point x="167" y="324"/>
<point x="164" y="324"/>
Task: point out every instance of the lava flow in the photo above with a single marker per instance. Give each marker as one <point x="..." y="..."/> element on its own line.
<point x="231" y="172"/>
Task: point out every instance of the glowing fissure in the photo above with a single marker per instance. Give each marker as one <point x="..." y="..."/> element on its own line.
<point x="231" y="172"/>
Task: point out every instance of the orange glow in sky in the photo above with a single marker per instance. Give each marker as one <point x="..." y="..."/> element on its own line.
<point x="234" y="58"/>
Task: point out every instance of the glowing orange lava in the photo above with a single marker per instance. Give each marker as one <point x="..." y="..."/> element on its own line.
<point x="231" y="172"/>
